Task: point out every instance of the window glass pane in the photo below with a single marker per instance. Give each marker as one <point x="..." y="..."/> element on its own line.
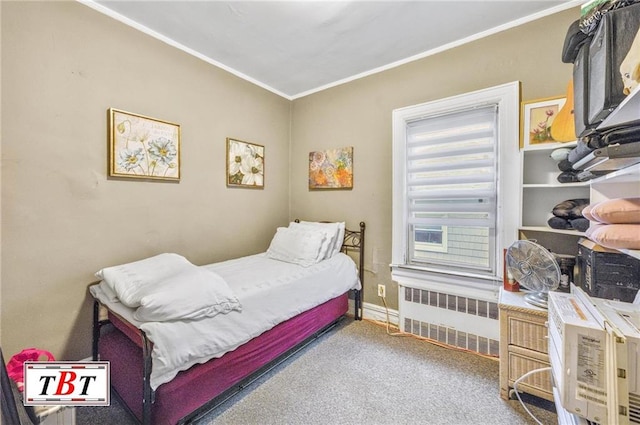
<point x="430" y="234"/>
<point x="429" y="238"/>
<point x="467" y="247"/>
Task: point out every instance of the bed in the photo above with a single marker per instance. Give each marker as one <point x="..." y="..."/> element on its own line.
<point x="169" y="369"/>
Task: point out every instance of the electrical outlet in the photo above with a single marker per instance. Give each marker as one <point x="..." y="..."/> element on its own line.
<point x="382" y="291"/>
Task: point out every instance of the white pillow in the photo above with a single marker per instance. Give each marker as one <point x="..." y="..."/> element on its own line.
<point x="108" y="292"/>
<point x="336" y="227"/>
<point x="340" y="239"/>
<point x="296" y="245"/>
<point x="191" y="294"/>
<point x="127" y="280"/>
<point x="326" y="249"/>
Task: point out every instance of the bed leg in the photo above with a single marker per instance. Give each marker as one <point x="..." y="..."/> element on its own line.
<point x="96" y="330"/>
<point x="358" y="300"/>
<point x="146" y="380"/>
<point x="359" y="305"/>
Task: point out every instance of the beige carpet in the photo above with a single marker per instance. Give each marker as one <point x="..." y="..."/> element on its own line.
<point x="360" y="375"/>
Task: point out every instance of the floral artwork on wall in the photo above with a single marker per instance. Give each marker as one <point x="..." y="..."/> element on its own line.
<point x="245" y="164"/>
<point x="331" y="169"/>
<point x="143" y="147"/>
<point x="536" y="119"/>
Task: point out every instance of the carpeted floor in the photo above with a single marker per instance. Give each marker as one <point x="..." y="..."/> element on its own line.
<point x="357" y="374"/>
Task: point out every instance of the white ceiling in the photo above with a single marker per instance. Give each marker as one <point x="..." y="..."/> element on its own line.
<point x="294" y="48"/>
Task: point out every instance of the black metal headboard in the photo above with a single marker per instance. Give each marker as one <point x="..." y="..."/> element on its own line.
<point x="354" y="242"/>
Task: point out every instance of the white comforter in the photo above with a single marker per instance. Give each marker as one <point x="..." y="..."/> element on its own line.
<point x="269" y="291"/>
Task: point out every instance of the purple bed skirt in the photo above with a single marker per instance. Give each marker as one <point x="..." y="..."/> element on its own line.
<point x="193" y="388"/>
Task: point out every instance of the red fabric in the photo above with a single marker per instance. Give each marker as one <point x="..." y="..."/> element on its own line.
<point x="15" y="366"/>
<point x="192" y="388"/>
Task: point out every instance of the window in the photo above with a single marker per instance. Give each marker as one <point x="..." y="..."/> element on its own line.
<point x="455" y="163"/>
<point x="429" y="238"/>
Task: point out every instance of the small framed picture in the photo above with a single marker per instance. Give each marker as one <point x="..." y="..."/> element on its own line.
<point x="331" y="169"/>
<point x="143" y="147"/>
<point x="536" y="119"/>
<point x="245" y="164"/>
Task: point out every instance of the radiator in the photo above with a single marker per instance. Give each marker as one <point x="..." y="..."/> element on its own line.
<point x="463" y="322"/>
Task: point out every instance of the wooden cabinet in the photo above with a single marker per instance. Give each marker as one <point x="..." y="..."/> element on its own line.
<point x="523" y="346"/>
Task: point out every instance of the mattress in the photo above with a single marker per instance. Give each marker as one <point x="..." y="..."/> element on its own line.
<point x="269" y="291"/>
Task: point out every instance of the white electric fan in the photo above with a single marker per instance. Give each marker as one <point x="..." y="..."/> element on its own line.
<point x="535" y="268"/>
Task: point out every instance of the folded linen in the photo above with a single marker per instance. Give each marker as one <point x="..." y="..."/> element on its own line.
<point x="192" y="294"/>
<point x="128" y="281"/>
<point x="615" y="236"/>
<point x="615" y="211"/>
<point x="168" y="287"/>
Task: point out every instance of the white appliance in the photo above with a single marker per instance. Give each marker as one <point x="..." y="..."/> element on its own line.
<point x="577" y="353"/>
<point x="625" y="317"/>
<point x="594" y="355"/>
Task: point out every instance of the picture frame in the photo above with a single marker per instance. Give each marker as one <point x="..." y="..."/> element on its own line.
<point x="536" y="118"/>
<point x="331" y="169"/>
<point x="141" y="147"/>
<point x="245" y="164"/>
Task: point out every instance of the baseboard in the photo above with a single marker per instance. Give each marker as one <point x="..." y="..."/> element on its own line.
<point x="378" y="313"/>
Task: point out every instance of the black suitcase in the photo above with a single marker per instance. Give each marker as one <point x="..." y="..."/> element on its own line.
<point x="608" y="48"/>
<point x="581" y="90"/>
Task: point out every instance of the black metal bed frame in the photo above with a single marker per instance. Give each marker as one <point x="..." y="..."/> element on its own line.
<point x="353" y="242"/>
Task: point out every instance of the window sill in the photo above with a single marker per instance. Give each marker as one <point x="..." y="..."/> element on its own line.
<point x="457" y="283"/>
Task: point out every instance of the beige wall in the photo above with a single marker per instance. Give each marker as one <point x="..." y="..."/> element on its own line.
<point x="358" y="114"/>
<point x="64" y="65"/>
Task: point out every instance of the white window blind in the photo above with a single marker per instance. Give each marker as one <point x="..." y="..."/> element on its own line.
<point x="452" y="183"/>
<point x="451" y="178"/>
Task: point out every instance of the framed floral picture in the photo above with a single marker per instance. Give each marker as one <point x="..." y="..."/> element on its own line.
<point x="536" y="118"/>
<point x="142" y="147"/>
<point x="245" y="164"/>
<point x="331" y="169"/>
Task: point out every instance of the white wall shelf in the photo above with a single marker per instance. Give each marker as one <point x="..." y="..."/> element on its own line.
<point x="550" y="146"/>
<point x="550" y="230"/>
<point x="541" y="192"/>
<point x="555" y="185"/>
<point x="625" y="113"/>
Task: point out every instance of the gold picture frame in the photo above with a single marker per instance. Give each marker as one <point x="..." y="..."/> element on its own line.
<point x="245" y="164"/>
<point x="142" y="147"/>
<point x="331" y="169"/>
<point x="536" y="118"/>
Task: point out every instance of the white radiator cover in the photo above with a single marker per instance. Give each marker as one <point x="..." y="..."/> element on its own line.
<point x="468" y="322"/>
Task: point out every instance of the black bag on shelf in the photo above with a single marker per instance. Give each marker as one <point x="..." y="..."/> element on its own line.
<point x="581" y="90"/>
<point x="572" y="42"/>
<point x="607" y="49"/>
<point x="622" y="136"/>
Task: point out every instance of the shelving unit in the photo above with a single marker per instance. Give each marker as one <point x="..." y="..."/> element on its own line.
<point x="624" y="183"/>
<point x="541" y="192"/>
